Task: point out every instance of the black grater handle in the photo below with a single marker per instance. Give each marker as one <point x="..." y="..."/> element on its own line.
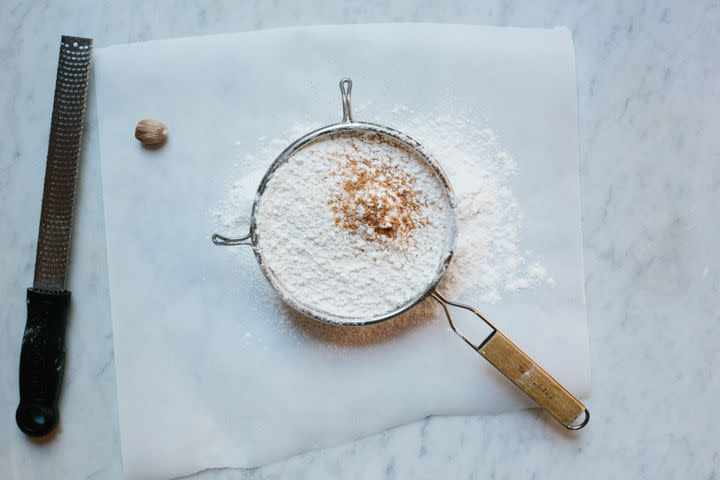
<point x="42" y="360"/>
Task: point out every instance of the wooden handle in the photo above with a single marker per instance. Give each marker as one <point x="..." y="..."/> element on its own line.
<point x="533" y="380"/>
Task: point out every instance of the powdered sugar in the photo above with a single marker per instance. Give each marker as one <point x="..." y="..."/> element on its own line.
<point x="488" y="262"/>
<point x="353" y="225"/>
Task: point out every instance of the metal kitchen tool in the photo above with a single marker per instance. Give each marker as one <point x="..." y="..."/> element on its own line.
<point x="497" y="348"/>
<point x="42" y="356"/>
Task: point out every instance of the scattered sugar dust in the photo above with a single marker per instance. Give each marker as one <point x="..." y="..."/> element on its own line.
<point x="234" y="212"/>
<point x="488" y="261"/>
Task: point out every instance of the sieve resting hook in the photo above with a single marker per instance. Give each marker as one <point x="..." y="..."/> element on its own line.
<point x="218" y="239"/>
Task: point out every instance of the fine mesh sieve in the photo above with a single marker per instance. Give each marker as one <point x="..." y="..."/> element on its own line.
<point x="497" y="348"/>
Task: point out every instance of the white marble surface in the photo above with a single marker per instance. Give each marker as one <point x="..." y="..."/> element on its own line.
<point x="649" y="101"/>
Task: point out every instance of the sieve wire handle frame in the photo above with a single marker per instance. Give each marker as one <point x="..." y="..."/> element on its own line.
<point x="522" y="370"/>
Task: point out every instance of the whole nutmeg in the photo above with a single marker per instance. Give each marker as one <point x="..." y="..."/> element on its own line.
<point x="151" y="132"/>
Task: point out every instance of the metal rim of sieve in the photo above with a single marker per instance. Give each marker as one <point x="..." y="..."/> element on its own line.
<point x="497" y="348"/>
<point x="348" y="125"/>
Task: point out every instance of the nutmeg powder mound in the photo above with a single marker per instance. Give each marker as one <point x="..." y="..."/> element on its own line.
<point x="377" y="201"/>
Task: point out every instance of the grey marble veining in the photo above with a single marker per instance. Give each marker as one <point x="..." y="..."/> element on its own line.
<point x="650" y="175"/>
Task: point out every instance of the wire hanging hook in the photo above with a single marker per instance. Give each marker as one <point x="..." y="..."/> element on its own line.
<point x="346" y="89"/>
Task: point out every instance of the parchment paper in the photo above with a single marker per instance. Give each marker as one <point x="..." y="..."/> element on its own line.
<point x="212" y="369"/>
